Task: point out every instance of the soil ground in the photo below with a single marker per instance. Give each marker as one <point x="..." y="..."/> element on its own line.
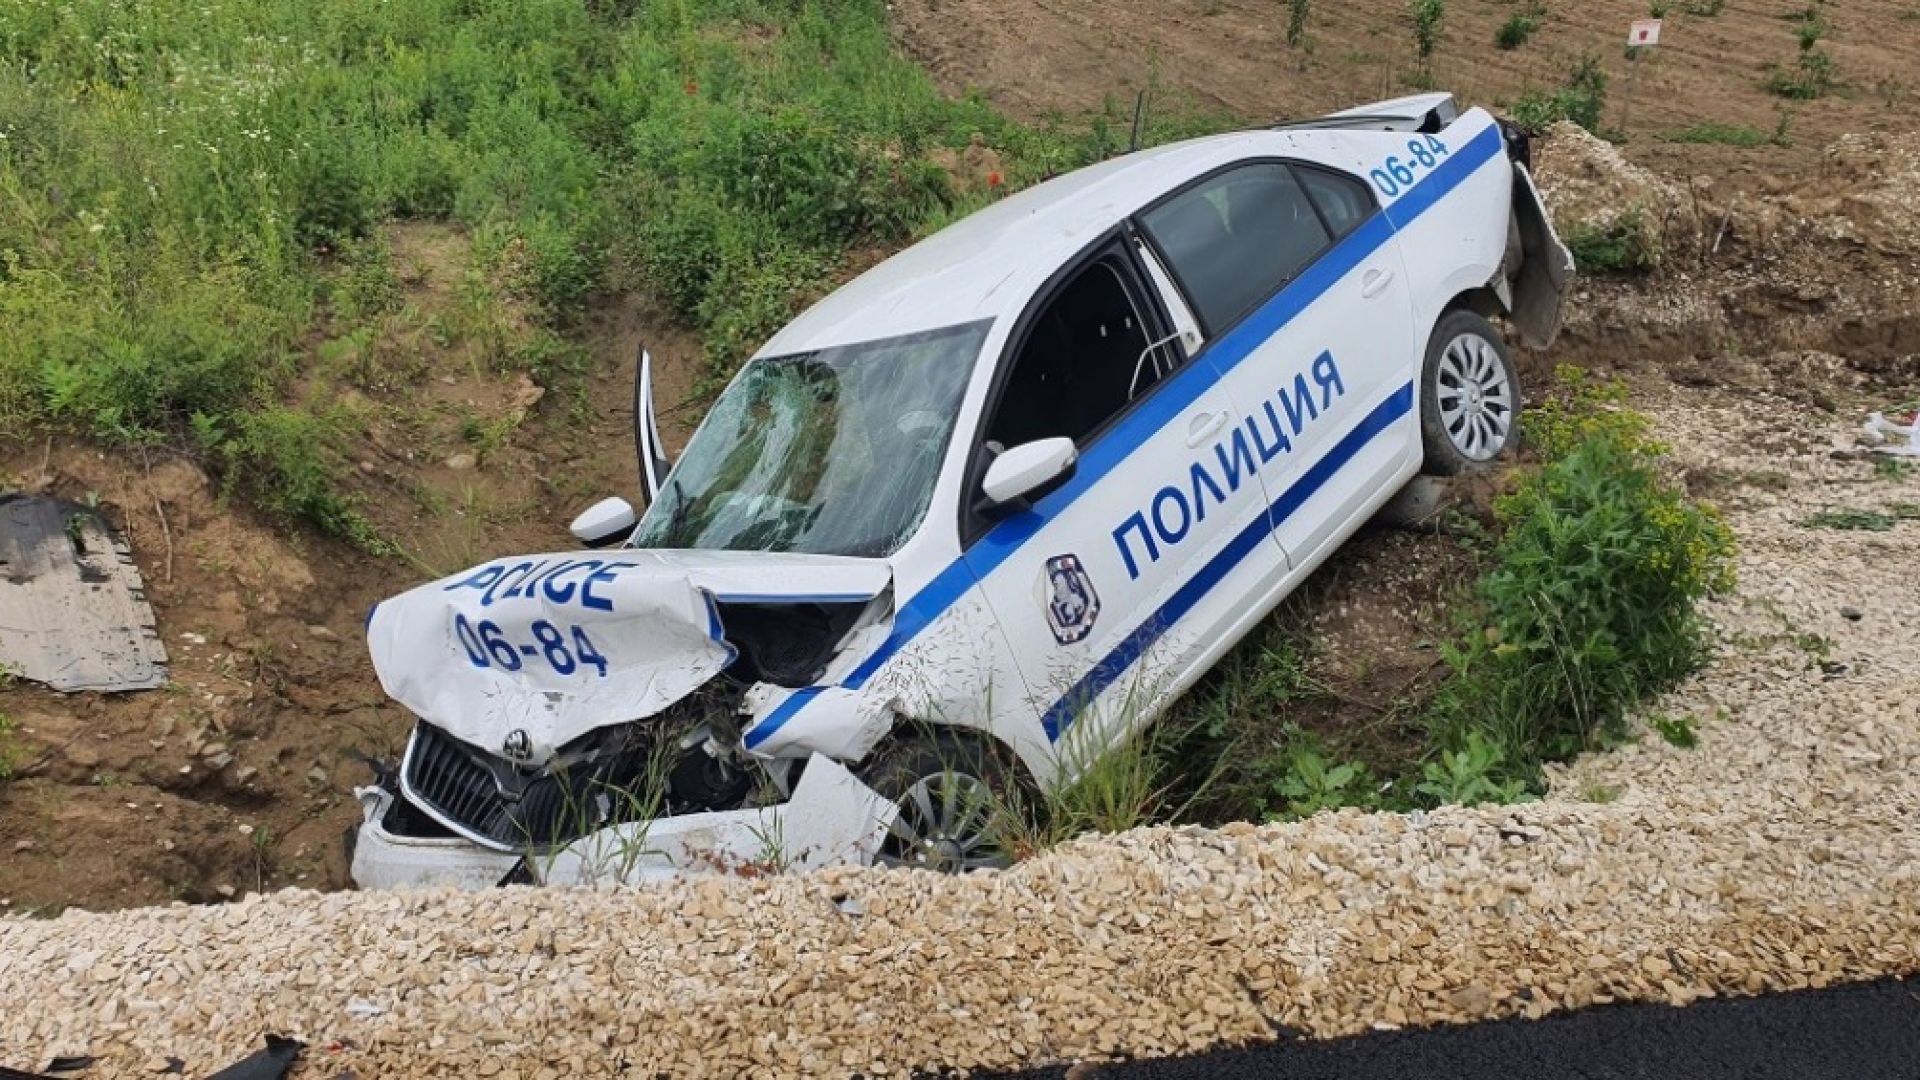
<point x="1793" y="275"/>
<point x="1054" y="57"/>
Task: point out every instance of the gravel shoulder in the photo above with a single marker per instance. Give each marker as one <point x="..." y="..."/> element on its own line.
<point x="1782" y="852"/>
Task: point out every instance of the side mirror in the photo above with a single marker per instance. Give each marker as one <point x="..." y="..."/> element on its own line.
<point x="605" y="522"/>
<point x="1025" y="469"/>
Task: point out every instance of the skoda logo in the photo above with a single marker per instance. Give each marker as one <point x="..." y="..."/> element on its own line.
<point x="518" y="745"/>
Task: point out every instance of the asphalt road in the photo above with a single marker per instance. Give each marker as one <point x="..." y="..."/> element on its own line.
<point x="1864" y="1031"/>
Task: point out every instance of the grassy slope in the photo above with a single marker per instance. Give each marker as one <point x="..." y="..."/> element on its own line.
<point x="194" y="190"/>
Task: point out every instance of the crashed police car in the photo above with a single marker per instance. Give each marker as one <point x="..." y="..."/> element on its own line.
<point x="1011" y="491"/>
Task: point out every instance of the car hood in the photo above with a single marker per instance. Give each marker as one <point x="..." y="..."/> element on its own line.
<point x="522" y="655"/>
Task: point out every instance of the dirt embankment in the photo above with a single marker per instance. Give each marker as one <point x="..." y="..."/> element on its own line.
<point x="1829" y="264"/>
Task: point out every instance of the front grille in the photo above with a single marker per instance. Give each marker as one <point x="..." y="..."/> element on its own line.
<point x="463" y="787"/>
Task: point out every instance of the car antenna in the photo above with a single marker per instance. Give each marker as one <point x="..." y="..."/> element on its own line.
<point x="1139" y="118"/>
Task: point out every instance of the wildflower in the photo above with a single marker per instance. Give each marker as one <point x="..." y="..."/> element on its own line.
<point x="993" y="179"/>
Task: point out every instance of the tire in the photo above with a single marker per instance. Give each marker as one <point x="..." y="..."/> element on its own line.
<point x="1469" y="396"/>
<point x="954" y="783"/>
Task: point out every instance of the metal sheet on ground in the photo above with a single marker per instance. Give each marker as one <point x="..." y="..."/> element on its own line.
<point x="73" y="610"/>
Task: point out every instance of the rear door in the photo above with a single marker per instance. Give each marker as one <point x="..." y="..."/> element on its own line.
<point x="1305" y="304"/>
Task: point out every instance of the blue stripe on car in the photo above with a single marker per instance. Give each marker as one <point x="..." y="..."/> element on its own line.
<point x="1168" y="402"/>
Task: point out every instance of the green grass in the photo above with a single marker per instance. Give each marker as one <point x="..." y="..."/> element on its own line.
<point x="1863" y="520"/>
<point x="1520" y="26"/>
<point x="194" y="193"/>
<point x="1713" y="132"/>
<point x="8" y="762"/>
<point x="1892" y="468"/>
<point x="1580" y="98"/>
<point x="1626" y="244"/>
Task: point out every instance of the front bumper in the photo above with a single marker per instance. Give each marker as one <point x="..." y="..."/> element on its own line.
<point x="832" y="819"/>
<point x="383" y="860"/>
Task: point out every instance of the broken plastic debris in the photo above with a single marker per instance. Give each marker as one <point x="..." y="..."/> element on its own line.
<point x="833" y="819"/>
<point x="73" y="610"/>
<point x="1884" y="436"/>
<point x="271" y="1063"/>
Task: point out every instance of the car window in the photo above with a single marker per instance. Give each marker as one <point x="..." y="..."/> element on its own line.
<point x="1235" y="238"/>
<point x="1084" y="358"/>
<point x="833" y="452"/>
<point x="1343" y="201"/>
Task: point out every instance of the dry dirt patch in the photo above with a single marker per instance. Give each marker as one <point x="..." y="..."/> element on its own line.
<point x="1068" y="56"/>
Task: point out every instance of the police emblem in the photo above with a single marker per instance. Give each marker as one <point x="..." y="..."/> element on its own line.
<point x="1067" y="593"/>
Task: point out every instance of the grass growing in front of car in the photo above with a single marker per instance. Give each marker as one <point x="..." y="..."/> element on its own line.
<point x="193" y="252"/>
<point x="1590" y="604"/>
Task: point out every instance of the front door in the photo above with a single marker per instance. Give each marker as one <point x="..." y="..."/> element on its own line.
<point x="1090" y="578"/>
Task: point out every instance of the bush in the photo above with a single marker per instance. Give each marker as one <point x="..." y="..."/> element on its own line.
<point x="1429" y="19"/>
<point x="1627" y="243"/>
<point x="1297" y="11"/>
<point x="1475" y="773"/>
<point x="1590" y="605"/>
<point x="1812" y="73"/>
<point x="1519" y="27"/>
<point x="1306" y="783"/>
<point x="1582" y="99"/>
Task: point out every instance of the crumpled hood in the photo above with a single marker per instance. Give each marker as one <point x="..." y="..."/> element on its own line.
<point x="554" y="646"/>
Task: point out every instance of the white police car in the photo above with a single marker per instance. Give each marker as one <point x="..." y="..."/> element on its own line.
<point x="1015" y="488"/>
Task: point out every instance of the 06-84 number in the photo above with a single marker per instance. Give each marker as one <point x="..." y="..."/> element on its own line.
<point x="1395" y="176"/>
<point x="488" y="647"/>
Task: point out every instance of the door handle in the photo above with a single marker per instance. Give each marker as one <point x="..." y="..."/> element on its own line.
<point x="1204" y="426"/>
<point x="1375" y="283"/>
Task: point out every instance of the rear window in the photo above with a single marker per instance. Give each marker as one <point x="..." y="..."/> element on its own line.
<point x="1343" y="201"/>
<point x="1234" y="239"/>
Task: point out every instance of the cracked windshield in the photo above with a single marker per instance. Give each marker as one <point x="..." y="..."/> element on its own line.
<point x="832" y="452"/>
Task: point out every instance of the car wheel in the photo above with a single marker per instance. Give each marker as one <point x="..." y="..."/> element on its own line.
<point x="950" y="792"/>
<point x="1469" y="395"/>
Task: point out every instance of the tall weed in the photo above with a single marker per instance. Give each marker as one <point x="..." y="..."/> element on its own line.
<point x="1590" y="606"/>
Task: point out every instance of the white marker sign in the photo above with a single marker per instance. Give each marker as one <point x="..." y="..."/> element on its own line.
<point x="1643" y="32"/>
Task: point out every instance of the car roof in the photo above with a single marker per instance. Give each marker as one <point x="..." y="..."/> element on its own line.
<point x="987" y="264"/>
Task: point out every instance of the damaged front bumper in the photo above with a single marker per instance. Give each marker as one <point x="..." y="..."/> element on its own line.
<point x="832" y="819"/>
<point x="388" y="860"/>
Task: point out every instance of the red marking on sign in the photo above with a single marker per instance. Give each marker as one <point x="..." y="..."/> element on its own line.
<point x="1644" y="32"/>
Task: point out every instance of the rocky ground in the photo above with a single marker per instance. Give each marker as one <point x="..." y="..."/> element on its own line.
<point x="1782" y="851"/>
